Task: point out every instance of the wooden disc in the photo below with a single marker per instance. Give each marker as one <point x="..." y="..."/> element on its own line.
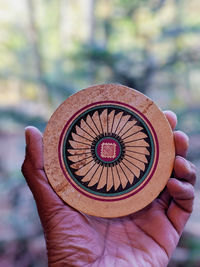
<point x="108" y="151"/>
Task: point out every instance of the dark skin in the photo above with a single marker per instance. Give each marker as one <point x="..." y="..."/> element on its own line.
<point x="145" y="238"/>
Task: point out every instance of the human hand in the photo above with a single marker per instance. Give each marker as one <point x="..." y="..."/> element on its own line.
<point x="145" y="238"/>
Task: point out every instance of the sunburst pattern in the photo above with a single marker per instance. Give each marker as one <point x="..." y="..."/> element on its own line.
<point x="108" y="149"/>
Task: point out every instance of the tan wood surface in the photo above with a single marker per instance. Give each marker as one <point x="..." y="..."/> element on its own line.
<point x="108" y="150"/>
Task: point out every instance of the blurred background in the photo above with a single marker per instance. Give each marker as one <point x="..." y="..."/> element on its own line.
<point x="50" y="49"/>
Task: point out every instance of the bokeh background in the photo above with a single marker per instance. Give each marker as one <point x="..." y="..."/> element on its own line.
<point x="50" y="49"/>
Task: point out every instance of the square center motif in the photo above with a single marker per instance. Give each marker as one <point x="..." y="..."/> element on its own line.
<point x="108" y="150"/>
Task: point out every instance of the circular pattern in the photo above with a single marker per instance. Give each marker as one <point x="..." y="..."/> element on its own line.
<point x="108" y="151"/>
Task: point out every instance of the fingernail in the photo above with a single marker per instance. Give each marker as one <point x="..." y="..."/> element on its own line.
<point x="27" y="138"/>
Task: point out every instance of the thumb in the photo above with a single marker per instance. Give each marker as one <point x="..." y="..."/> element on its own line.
<point x="33" y="170"/>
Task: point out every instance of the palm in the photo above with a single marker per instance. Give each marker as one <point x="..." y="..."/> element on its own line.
<point x="101" y="242"/>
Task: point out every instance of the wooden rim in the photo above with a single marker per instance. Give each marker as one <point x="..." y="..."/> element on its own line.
<point x="108" y="151"/>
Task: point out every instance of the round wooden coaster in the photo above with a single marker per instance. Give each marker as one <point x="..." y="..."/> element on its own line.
<point x="108" y="151"/>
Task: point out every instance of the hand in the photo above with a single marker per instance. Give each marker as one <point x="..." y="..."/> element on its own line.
<point x="146" y="238"/>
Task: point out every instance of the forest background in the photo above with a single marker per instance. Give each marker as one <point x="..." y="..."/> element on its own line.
<point x="50" y="49"/>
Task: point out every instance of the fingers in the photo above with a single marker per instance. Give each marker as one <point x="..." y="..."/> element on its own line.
<point x="185" y="170"/>
<point x="171" y="117"/>
<point x="182" y="192"/>
<point x="178" y="196"/>
<point x="181" y="143"/>
<point x="181" y="146"/>
<point x="180" y="138"/>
